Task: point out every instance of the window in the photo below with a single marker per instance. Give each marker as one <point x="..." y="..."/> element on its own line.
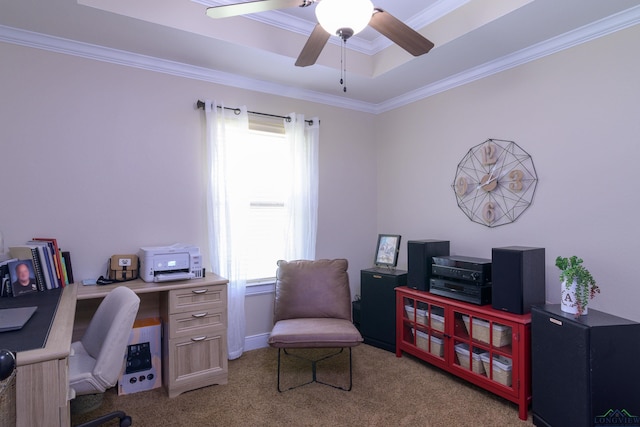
<point x="262" y="193"/>
<point x="267" y="172"/>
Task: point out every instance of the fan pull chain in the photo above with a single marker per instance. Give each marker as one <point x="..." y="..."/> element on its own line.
<point x="343" y="65"/>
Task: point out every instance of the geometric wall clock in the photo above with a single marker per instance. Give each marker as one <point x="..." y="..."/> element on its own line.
<point x="495" y="182"/>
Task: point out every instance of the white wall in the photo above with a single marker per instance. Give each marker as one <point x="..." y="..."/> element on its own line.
<point x="576" y="113"/>
<point x="108" y="158"/>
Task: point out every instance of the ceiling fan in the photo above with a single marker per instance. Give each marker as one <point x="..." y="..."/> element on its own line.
<point x="342" y="17"/>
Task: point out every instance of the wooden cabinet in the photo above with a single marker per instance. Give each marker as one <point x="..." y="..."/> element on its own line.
<point x="377" y="306"/>
<point x="195" y="342"/>
<point x="486" y="347"/>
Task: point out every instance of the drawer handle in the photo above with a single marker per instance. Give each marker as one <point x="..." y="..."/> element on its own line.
<point x="199" y="338"/>
<point x="199" y="315"/>
<point x="375" y="276"/>
<point x="200" y="291"/>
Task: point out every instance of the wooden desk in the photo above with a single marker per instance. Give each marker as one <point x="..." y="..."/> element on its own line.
<point x="42" y="378"/>
<point x="189" y="360"/>
<point x="194" y="322"/>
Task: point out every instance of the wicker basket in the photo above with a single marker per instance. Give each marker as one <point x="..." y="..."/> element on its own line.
<point x="421" y="316"/>
<point x="409" y="310"/>
<point x="422" y="341"/>
<point x="501" y="333"/>
<point x="8" y="401"/>
<point x="501" y="368"/>
<point x="462" y="351"/>
<point x="437" y="322"/>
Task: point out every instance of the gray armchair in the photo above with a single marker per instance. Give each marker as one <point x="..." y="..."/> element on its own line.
<point x="313" y="310"/>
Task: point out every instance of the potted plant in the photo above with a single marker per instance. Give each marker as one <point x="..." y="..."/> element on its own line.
<point x="578" y="285"/>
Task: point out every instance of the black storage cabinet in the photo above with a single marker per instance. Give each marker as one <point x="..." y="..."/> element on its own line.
<point x="378" y="306"/>
<point x="585" y="371"/>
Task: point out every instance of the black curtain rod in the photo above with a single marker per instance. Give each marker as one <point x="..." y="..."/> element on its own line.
<point x="200" y="105"/>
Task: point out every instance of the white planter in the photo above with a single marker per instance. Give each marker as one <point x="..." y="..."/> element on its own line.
<point x="568" y="300"/>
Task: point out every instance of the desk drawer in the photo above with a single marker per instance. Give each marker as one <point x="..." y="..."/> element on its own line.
<point x="195" y="362"/>
<point x="199" y="298"/>
<point x="190" y="323"/>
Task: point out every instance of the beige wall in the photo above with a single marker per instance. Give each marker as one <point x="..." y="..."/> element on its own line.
<point x="576" y="113"/>
<point x="108" y="158"/>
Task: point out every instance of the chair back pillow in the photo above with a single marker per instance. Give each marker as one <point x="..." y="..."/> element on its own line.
<point x="312" y="289"/>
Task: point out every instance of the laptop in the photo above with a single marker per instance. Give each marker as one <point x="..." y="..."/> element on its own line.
<point x="13" y="319"/>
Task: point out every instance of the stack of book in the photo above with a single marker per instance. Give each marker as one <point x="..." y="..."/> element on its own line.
<point x="36" y="266"/>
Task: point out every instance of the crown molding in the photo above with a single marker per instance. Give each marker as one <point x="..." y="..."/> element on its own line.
<point x="603" y="27"/>
<point x="129" y="59"/>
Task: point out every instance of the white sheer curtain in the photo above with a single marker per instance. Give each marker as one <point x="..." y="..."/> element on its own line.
<point x="302" y="201"/>
<point x="228" y="208"/>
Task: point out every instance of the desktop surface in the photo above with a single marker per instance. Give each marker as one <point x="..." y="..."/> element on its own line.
<point x="139" y="286"/>
<point x="33" y="335"/>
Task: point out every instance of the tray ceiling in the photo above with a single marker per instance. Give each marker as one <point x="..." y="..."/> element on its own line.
<point x="261" y="49"/>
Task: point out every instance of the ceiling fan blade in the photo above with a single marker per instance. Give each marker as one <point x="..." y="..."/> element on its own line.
<point x="255" y="6"/>
<point x="313" y="47"/>
<point x="400" y="33"/>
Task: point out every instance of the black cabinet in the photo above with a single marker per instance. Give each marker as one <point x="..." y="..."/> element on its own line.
<point x="378" y="306"/>
<point x="584" y="370"/>
<point x="355" y="313"/>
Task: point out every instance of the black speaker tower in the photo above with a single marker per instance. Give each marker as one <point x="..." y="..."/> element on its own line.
<point x="419" y="260"/>
<point x="518" y="278"/>
<point x="581" y="371"/>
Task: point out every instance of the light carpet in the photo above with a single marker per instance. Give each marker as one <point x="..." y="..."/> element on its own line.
<point x="387" y="391"/>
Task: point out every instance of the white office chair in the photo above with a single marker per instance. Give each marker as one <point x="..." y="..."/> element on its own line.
<point x="97" y="359"/>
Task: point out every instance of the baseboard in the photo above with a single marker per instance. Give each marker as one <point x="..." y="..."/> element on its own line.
<point x="255" y="342"/>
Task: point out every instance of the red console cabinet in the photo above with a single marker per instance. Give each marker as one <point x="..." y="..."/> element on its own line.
<point x="487" y="347"/>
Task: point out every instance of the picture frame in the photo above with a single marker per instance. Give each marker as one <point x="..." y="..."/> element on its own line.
<point x="387" y="250"/>
<point x="23" y="277"/>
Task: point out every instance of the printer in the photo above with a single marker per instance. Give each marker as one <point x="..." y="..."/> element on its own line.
<point x="166" y="263"/>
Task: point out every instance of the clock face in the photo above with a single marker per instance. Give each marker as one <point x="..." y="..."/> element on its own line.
<point x="495" y="182"/>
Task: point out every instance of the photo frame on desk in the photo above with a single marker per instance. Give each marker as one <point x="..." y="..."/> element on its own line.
<point x="387" y="250"/>
<point x="23" y="277"/>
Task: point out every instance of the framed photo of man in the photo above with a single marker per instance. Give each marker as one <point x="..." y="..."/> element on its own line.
<point x="23" y="279"/>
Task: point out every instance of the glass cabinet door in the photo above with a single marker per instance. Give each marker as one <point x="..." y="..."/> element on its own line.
<point x="483" y="347"/>
<point x="424" y="326"/>
<point x="432" y="339"/>
<point x="408" y="321"/>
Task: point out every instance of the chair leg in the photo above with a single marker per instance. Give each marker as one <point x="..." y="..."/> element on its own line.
<point x="314" y="364"/>
<point x="279" y="391"/>
<point x="350" y="373"/>
<point x="125" y="420"/>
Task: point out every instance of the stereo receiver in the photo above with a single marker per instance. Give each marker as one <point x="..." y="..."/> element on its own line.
<point x="469" y="292"/>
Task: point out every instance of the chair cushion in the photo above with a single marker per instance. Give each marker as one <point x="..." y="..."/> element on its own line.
<point x="314" y="332"/>
<point x="312" y="289"/>
<point x="81" y="366"/>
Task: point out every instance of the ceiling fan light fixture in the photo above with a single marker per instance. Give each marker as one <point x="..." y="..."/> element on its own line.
<point x="337" y="15"/>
